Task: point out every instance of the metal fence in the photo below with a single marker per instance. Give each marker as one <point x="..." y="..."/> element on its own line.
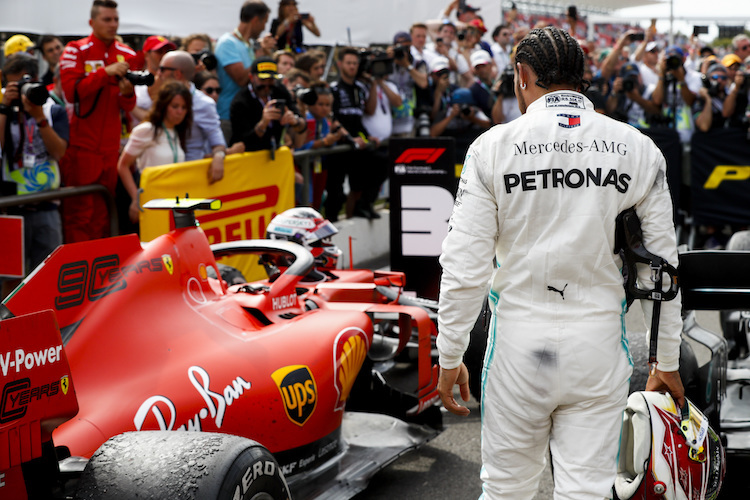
<point x="66" y="192"/>
<point x="301" y="158"/>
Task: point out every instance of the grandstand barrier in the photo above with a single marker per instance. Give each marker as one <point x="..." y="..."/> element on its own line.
<point x="65" y="192"/>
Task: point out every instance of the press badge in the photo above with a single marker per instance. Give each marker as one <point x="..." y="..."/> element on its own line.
<point x="29" y="160"/>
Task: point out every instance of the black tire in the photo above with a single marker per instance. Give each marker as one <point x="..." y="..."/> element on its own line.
<point x="474" y="356"/>
<point x="182" y="465"/>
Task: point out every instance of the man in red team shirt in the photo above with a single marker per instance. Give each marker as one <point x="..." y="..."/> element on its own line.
<point x="92" y="71"/>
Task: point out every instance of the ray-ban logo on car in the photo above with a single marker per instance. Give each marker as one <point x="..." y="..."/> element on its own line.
<point x="568" y="121"/>
<point x="298" y="390"/>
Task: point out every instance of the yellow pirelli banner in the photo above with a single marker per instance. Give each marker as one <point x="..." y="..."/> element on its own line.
<point x="254" y="190"/>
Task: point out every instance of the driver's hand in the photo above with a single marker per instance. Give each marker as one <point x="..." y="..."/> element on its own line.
<point x="448" y="378"/>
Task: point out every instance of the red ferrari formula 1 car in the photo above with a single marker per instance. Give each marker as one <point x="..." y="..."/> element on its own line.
<point x="309" y="371"/>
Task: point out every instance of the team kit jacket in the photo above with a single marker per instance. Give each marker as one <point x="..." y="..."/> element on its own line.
<point x="95" y="94"/>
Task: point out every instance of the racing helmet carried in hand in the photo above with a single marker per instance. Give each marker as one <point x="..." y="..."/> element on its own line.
<point x="307" y="227"/>
<point x="667" y="454"/>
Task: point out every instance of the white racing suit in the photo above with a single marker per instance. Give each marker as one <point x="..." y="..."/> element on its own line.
<point x="540" y="195"/>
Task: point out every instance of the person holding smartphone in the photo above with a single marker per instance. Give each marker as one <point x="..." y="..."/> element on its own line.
<point x="287" y="27"/>
<point x="264" y="115"/>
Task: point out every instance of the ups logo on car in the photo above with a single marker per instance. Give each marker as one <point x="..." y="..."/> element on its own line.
<point x="298" y="391"/>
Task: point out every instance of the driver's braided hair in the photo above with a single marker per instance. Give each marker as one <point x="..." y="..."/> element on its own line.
<point x="554" y="55"/>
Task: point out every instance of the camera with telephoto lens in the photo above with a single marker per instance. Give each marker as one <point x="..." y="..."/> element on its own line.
<point x="34" y="91"/>
<point x="673" y="63"/>
<point x="507" y="85"/>
<point x="399" y="52"/>
<point x="713" y="86"/>
<point x="376" y="63"/>
<point x="629" y="84"/>
<point x="207" y="58"/>
<point x="140" y="78"/>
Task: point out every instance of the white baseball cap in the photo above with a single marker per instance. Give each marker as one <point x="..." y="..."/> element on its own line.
<point x="480" y="57"/>
<point x="651" y="46"/>
<point x="438" y="64"/>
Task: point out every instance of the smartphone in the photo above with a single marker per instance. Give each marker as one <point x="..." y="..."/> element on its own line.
<point x="304" y="15"/>
<point x="280" y="105"/>
<point x="637" y="37"/>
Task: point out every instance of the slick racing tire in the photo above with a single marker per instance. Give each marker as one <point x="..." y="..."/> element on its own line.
<point x="182" y="465"/>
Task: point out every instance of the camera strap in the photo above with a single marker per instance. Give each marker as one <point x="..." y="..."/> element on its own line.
<point x="77" y="101"/>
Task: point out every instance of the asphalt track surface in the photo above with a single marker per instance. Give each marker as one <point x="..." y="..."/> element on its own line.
<point x="448" y="466"/>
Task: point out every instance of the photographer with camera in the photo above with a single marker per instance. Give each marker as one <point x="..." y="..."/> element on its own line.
<point x="626" y="102"/>
<point x="505" y="108"/>
<point x="736" y="103"/>
<point x="445" y="45"/>
<point x="676" y="92"/>
<point x="264" y="113"/>
<point x="287" y="27"/>
<point x="200" y="47"/>
<point x="94" y="72"/>
<point x="460" y="119"/>
<point x="33" y="139"/>
<point x="410" y="78"/>
<point x="712" y="96"/>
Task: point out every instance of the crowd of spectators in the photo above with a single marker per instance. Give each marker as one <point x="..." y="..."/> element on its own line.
<point x="263" y="85"/>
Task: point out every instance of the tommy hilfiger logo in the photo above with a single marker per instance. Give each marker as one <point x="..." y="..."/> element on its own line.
<point x="568" y="121"/>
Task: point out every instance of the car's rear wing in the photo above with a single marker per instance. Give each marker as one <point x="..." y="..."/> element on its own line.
<point x="715" y="279"/>
<point x="37" y="394"/>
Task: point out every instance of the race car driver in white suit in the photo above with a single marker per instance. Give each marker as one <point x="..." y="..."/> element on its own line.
<point x="541" y="195"/>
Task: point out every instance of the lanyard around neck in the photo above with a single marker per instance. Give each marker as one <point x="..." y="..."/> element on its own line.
<point x="172" y="144"/>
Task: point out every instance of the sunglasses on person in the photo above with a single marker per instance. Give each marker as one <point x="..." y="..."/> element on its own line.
<point x="744" y="47"/>
<point x="718" y="77"/>
<point x="211" y="90"/>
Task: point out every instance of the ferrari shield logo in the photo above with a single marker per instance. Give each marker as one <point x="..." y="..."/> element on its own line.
<point x="168" y="264"/>
<point x="65" y="384"/>
<point x="298" y="391"/>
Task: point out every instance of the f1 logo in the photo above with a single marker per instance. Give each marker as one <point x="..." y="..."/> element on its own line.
<point x="427" y="155"/>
